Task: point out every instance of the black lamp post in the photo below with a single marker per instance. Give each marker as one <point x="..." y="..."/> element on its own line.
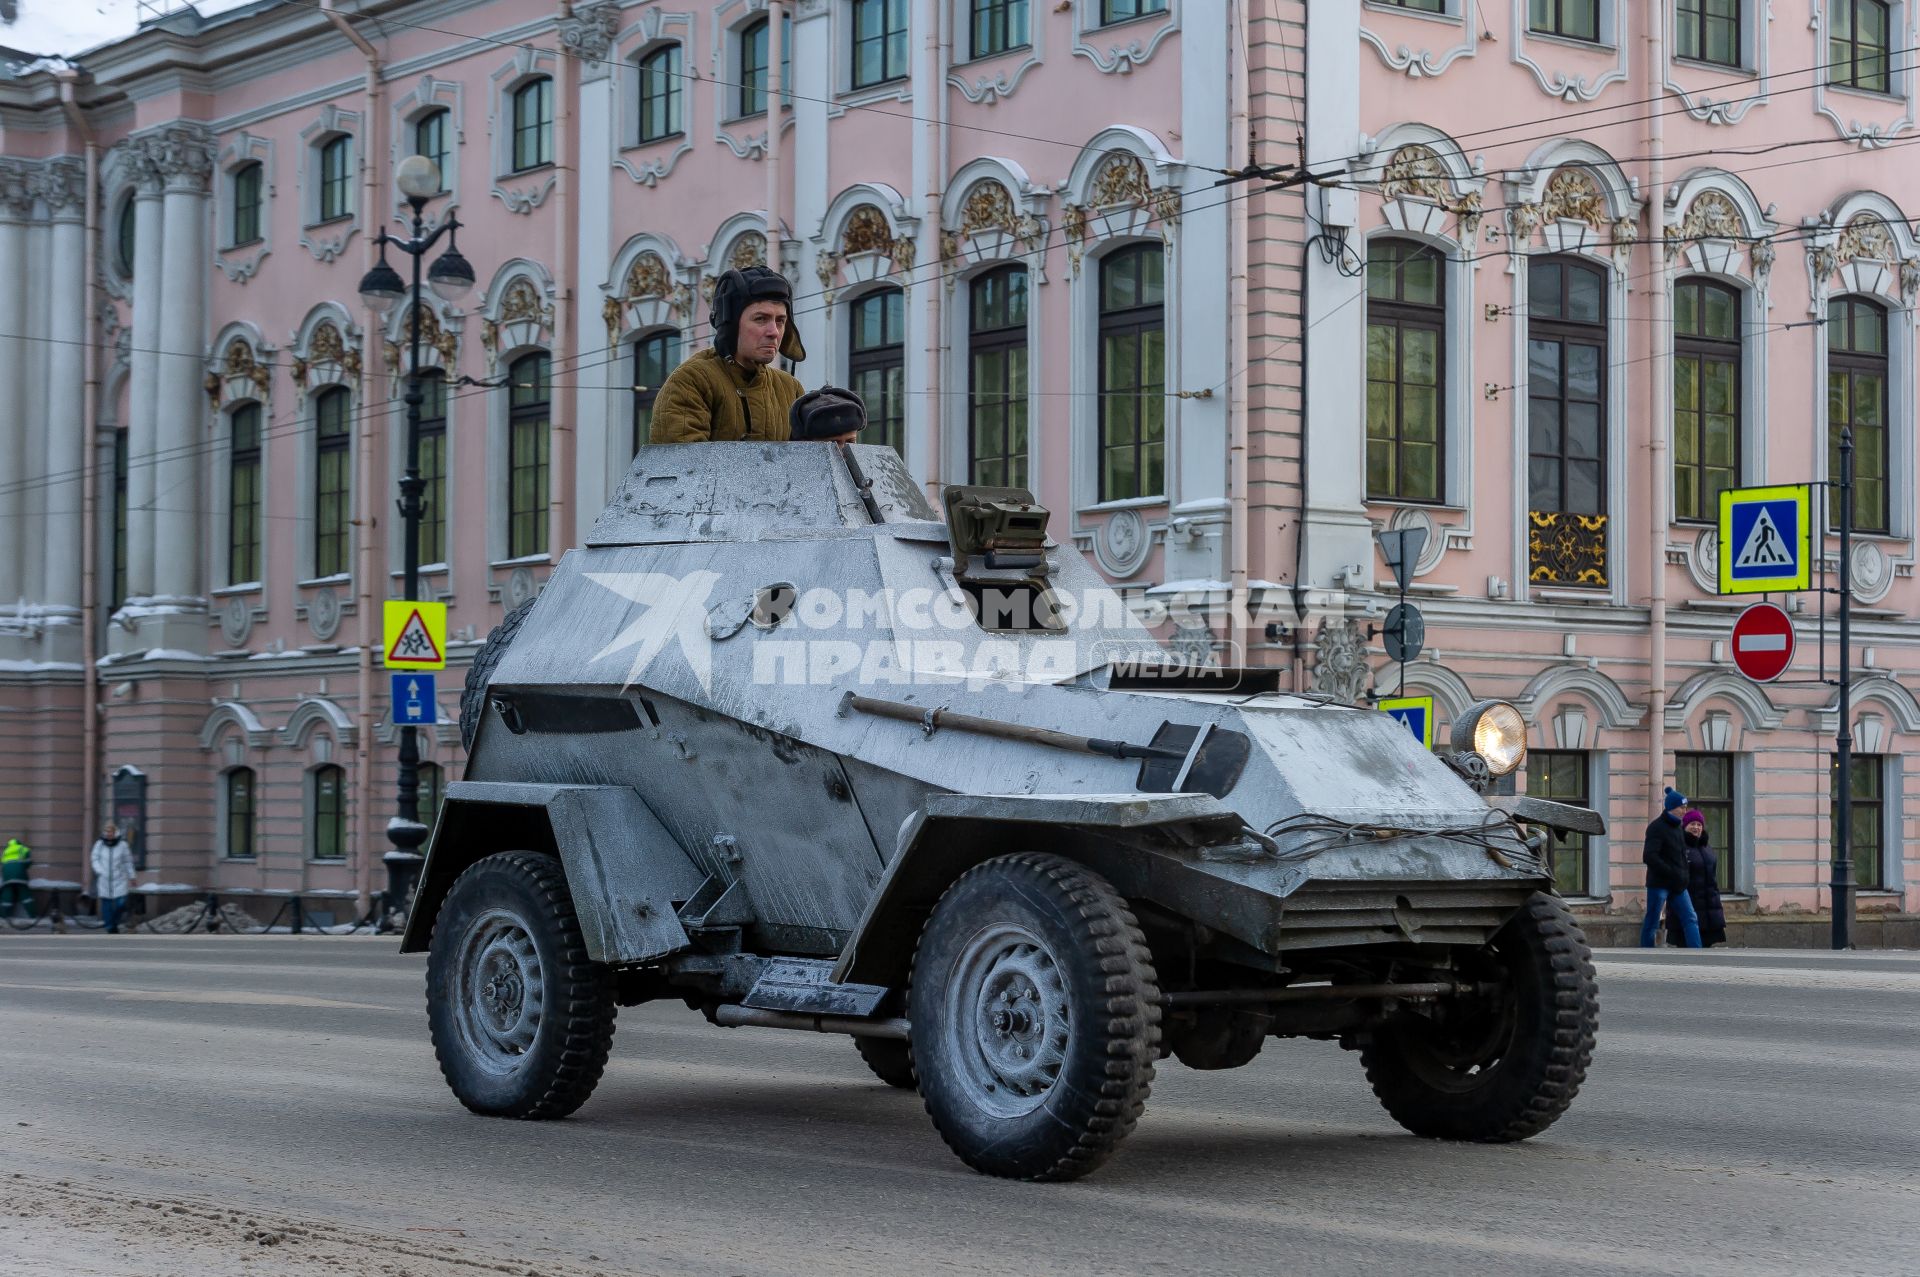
<point x="451" y="277"/>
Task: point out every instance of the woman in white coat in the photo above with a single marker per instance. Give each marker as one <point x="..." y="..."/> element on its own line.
<point x="112" y="876"/>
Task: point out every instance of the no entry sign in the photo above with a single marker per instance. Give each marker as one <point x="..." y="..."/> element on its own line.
<point x="1763" y="642"/>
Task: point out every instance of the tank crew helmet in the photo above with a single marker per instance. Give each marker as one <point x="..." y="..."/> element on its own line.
<point x="738" y="289"/>
<point x="827" y="413"/>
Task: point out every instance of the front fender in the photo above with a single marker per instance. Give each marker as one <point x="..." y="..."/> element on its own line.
<point x="625" y="872"/>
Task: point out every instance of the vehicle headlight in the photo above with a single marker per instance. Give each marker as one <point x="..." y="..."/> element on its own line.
<point x="1495" y="731"/>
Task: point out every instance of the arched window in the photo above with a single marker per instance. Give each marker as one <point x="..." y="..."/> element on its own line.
<point x="336" y="179"/>
<point x="430" y="140"/>
<point x="1857" y="401"/>
<point x="123" y="237"/>
<point x="332" y="482"/>
<point x="1706" y="397"/>
<point x="751" y="43"/>
<point x="660" y="97"/>
<point x="243" y="495"/>
<point x="432" y="783"/>
<point x="327" y="813"/>
<point x="239" y="786"/>
<point x="1406" y="342"/>
<point x="1567" y="422"/>
<point x="879" y="41"/>
<point x="533" y="125"/>
<point x="528" y="416"/>
<point x="1133" y="373"/>
<point x="433" y="466"/>
<point x="1858" y="44"/>
<point x="877" y="362"/>
<point x="655" y="355"/>
<point x="248" y="190"/>
<point x="997" y="378"/>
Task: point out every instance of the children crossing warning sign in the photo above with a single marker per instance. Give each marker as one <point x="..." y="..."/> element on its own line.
<point x="1765" y="539"/>
<point x="415" y="635"/>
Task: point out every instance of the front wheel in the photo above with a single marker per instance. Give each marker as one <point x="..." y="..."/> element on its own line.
<point x="1505" y="1065"/>
<point x="521" y="1018"/>
<point x="1035" y="1017"/>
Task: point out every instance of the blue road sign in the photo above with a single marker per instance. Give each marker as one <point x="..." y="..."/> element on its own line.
<point x="413" y="698"/>
<point x="1765" y="539"/>
<point x="1415" y="713"/>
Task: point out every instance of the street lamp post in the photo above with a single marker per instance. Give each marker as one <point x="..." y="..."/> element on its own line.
<point x="451" y="277"/>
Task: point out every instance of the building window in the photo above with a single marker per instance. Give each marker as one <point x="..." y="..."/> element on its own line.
<point x="333" y="486"/>
<point x="433" y="466"/>
<point x="1561" y="776"/>
<point x="1423" y="6"/>
<point x="999" y="25"/>
<point x="1706" y="397"/>
<point x="336" y="179"/>
<point x="997" y="379"/>
<point x="430" y="140"/>
<point x="327" y="836"/>
<point x="239" y="786"/>
<point x="660" y="110"/>
<point x="431" y="788"/>
<point x="1574" y="19"/>
<point x="1566" y="422"/>
<point x="1133" y="372"/>
<point x="877" y="363"/>
<point x="1707" y="781"/>
<point x="1857" y="47"/>
<point x="119" y="589"/>
<point x="533" y="125"/>
<point x="1857" y="401"/>
<point x="528" y="416"/>
<point x="654" y="356"/>
<point x="243" y="495"/>
<point x="1112" y="11"/>
<point x="1406" y="336"/>
<point x="753" y="65"/>
<point x="123" y="238"/>
<point x="1867" y="847"/>
<point x="1708" y="31"/>
<point x="879" y="41"/>
<point x="247" y="191"/>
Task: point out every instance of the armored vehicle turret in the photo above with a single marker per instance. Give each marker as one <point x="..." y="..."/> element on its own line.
<point x="786" y="743"/>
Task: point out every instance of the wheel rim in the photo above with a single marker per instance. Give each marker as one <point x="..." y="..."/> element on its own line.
<point x="501" y="992"/>
<point x="1461" y="1053"/>
<point x="1007" y="1005"/>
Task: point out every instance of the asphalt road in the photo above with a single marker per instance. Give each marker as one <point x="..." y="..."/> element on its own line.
<point x="220" y="1105"/>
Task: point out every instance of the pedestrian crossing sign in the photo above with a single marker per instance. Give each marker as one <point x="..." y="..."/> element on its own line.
<point x="416" y="635"/>
<point x="1415" y="713"/>
<point x="1766" y="537"/>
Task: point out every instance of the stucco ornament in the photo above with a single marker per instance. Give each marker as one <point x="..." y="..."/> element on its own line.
<point x="1192" y="640"/>
<point x="749" y="250"/>
<point x="183" y="154"/>
<point x="62" y="185"/>
<point x="589" y="33"/>
<point x="1120" y="179"/>
<point x="16" y="189"/>
<point x="236" y="622"/>
<point x="1522" y="219"/>
<point x="323" y="614"/>
<point x="1761" y="255"/>
<point x="1416" y="171"/>
<point x="1124" y="543"/>
<point x="867" y="232"/>
<point x="1340" y="668"/>
<point x="1872" y="572"/>
<point x="1573" y="195"/>
<point x="240" y="362"/>
<point x="1712" y="216"/>
<point x="1866" y="238"/>
<point x="1910" y="280"/>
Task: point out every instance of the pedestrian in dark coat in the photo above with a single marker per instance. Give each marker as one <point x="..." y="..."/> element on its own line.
<point x="1665" y="856"/>
<point x="1703" y="885"/>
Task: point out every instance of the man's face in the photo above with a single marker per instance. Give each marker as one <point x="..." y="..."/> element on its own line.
<point x="762" y="325"/>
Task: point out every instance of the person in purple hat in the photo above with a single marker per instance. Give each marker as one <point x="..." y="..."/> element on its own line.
<point x="1703" y="886"/>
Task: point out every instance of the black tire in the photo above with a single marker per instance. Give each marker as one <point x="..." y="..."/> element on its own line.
<point x="1505" y="1067"/>
<point x="889" y="1059"/>
<point x="1036" y="1018"/>
<point x="473" y="694"/>
<point x="536" y="1048"/>
<point x="1222" y="1038"/>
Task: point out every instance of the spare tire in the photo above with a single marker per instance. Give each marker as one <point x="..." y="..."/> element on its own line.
<point x="473" y="696"/>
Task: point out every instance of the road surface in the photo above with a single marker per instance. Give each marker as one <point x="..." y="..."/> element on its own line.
<point x="218" y="1105"/>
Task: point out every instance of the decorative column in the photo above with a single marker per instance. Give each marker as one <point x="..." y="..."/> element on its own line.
<point x="185" y="160"/>
<point x="16" y="201"/>
<point x="601" y="454"/>
<point x="31" y="401"/>
<point x="143" y="372"/>
<point x="63" y="190"/>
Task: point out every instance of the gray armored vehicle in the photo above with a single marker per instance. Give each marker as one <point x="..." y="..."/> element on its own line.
<point x="786" y="744"/>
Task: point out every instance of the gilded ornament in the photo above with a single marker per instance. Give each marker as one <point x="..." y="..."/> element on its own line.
<point x="867" y="232"/>
<point x="647" y="277"/>
<point x="1573" y="195"/>
<point x="522" y="304"/>
<point x="1567" y="549"/>
<point x="1866" y="239"/>
<point x="749" y="250"/>
<point x="1120" y="179"/>
<point x="327" y="346"/>
<point x="610" y="316"/>
<point x="1713" y="216"/>
<point x="211" y="384"/>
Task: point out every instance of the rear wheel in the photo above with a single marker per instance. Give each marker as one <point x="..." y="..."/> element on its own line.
<point x="1036" y="1018"/>
<point x="521" y="1018"/>
<point x="890" y="1060"/>
<point x="1505" y="1065"/>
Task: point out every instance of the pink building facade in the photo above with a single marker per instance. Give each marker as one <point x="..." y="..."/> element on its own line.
<point x="1005" y="226"/>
